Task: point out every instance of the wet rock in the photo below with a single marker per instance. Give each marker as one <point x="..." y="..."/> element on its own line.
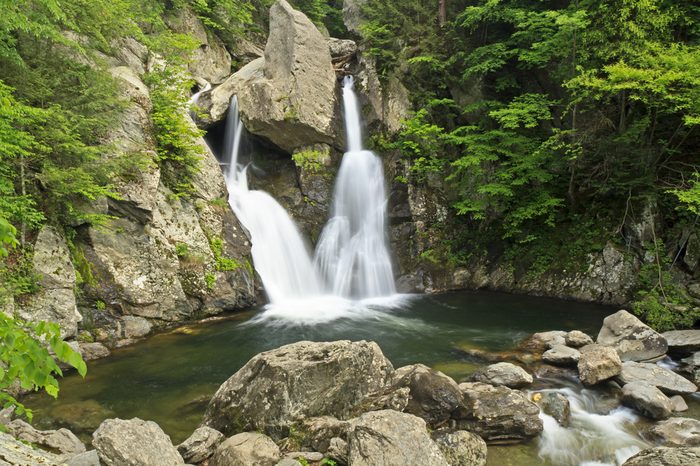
<point x="683" y="341"/>
<point x="200" y="445"/>
<point x="653" y="374"/>
<point x="542" y="341"/>
<point x="647" y="399"/>
<point x="55" y="301"/>
<point x="134" y="442"/>
<point x="248" y="448"/>
<point x="433" y="395"/>
<point x="13" y="452"/>
<point x="338" y="450"/>
<point x="632" y="339"/>
<point x="297" y="381"/>
<point x="665" y="456"/>
<point x="561" y="355"/>
<point x="504" y="373"/>
<point x="461" y="448"/>
<point x="63" y="442"/>
<point x="89" y="458"/>
<point x="497" y="414"/>
<point x="383" y="438"/>
<point x="676" y="432"/>
<point x="679" y="404"/>
<point x="554" y="404"/>
<point x="135" y="327"/>
<point x="92" y="351"/>
<point x="598" y="363"/>
<point x="82" y="415"/>
<point x="577" y="339"/>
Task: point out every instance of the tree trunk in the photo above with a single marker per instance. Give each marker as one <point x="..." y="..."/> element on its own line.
<point x="442" y="13"/>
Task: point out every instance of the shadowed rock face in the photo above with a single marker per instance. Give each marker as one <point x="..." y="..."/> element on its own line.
<point x="305" y="379"/>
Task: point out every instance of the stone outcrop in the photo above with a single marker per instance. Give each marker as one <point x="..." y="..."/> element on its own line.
<point x="667" y="381"/>
<point x="632" y="339"/>
<point x="504" y="373"/>
<point x="248" y="448"/>
<point x="55" y="301"/>
<point x="461" y="448"/>
<point x="676" y="432"/>
<point x="647" y="399"/>
<point x="665" y="456"/>
<point x="598" y="363"/>
<point x="305" y="379"/>
<point x="385" y="438"/>
<point x="497" y="414"/>
<point x="135" y="443"/>
<point x="288" y="97"/>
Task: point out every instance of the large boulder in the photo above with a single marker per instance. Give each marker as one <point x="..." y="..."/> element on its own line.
<point x="665" y="456"/>
<point x="498" y="414"/>
<point x="647" y="399"/>
<point x="598" y="363"/>
<point x="288" y="96"/>
<point x="633" y="340"/>
<point x="134" y="442"/>
<point x="683" y="341"/>
<point x="248" y="448"/>
<point x="305" y="379"/>
<point x="676" y="432"/>
<point x="461" y="448"/>
<point x="388" y="438"/>
<point x="433" y="395"/>
<point x="62" y="441"/>
<point x="55" y="301"/>
<point x="14" y="452"/>
<point x="667" y="381"/>
<point x="504" y="373"/>
<point x="200" y="445"/>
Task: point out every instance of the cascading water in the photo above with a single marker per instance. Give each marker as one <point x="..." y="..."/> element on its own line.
<point x="352" y="254"/>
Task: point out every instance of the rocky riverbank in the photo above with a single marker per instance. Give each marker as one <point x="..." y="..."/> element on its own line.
<point x="343" y="402"/>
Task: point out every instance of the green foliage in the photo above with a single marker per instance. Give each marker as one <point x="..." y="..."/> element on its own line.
<point x="223" y="263"/>
<point x="25" y="354"/>
<point x="210" y="280"/>
<point x="182" y="250"/>
<point x="309" y="160"/>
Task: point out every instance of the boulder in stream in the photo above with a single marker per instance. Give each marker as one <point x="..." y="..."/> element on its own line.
<point x="554" y="404"/>
<point x="683" y="341"/>
<point x="461" y="448"/>
<point x="667" y="381"/>
<point x="504" y="373"/>
<point x="542" y="341"/>
<point x="676" y="432"/>
<point x="665" y="456"/>
<point x="598" y="363"/>
<point x="632" y="339"/>
<point x="561" y="355"/>
<point x="62" y="441"/>
<point x="647" y="399"/>
<point x="577" y="339"/>
<point x="134" y="442"/>
<point x="200" y="445"/>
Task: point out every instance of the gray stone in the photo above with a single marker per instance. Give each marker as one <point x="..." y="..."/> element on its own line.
<point x="461" y="448"/>
<point x="598" y="363"/>
<point x="679" y="404"/>
<point x="14" y="453"/>
<point x="497" y="414"/>
<point x="341" y="48"/>
<point x="647" y="399"/>
<point x="135" y="327"/>
<point x="308" y="456"/>
<point x="653" y="374"/>
<point x="577" y="339"/>
<point x="556" y="405"/>
<point x="305" y="379"/>
<point x="92" y="351"/>
<point x="134" y="442"/>
<point x="200" y="445"/>
<point x="246" y="449"/>
<point x="319" y="431"/>
<point x="288" y="462"/>
<point x="504" y="373"/>
<point x="55" y="301"/>
<point x="352" y="15"/>
<point x="383" y="438"/>
<point x="89" y="458"/>
<point x="683" y="341"/>
<point x="561" y="355"/>
<point x="665" y="456"/>
<point x="338" y="450"/>
<point x="676" y="432"/>
<point x="542" y="341"/>
<point x="63" y="442"/>
<point x="632" y="339"/>
<point x="433" y="395"/>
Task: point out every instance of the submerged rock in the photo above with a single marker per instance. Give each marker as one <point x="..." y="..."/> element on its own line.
<point x="632" y="339"/>
<point x="676" y="432"/>
<point x="387" y="438"/>
<point x="647" y="399"/>
<point x="497" y="414"/>
<point x="683" y="341"/>
<point x="305" y="379"/>
<point x="561" y="355"/>
<point x="653" y="374"/>
<point x="134" y="442"/>
<point x="248" y="448"/>
<point x="665" y="456"/>
<point x="461" y="448"/>
<point x="91" y="351"/>
<point x="598" y="363"/>
<point x="504" y="373"/>
<point x="200" y="445"/>
<point x="433" y="395"/>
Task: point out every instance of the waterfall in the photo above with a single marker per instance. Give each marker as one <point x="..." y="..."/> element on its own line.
<point x="352" y="260"/>
<point x="352" y="254"/>
<point x="279" y="253"/>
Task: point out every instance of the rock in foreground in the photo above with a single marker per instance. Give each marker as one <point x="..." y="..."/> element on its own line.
<point x="647" y="399"/>
<point x="504" y="373"/>
<point x="676" y="432"/>
<point x="598" y="363"/>
<point x="665" y="456"/>
<point x="433" y="395"/>
<point x="461" y="448"/>
<point x="683" y="341"/>
<point x="134" y="443"/>
<point x="632" y="339"/>
<point x="248" y="448"/>
<point x="667" y="381"/>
